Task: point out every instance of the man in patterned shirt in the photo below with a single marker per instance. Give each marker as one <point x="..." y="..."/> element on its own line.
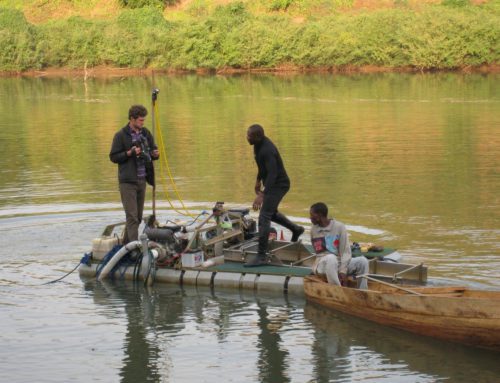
<point x="133" y="149"/>
<point x="330" y="241"/>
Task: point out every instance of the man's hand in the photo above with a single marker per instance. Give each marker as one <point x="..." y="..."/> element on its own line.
<point x="132" y="150"/>
<point x="257" y="203"/>
<point x="343" y="279"/>
<point x="257" y="187"/>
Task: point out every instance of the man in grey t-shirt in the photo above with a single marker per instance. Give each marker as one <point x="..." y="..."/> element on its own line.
<point x="331" y="245"/>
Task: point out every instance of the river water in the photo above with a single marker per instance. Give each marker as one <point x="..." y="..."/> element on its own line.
<point x="406" y="161"/>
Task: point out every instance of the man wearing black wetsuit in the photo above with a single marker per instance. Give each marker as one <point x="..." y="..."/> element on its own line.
<point x="270" y="187"/>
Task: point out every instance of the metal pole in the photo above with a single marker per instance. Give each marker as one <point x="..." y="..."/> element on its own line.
<point x="154" y="97"/>
<point x="387" y="284"/>
<point x="396" y="275"/>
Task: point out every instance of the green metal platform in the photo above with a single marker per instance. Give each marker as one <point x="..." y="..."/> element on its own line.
<point x="358" y="253"/>
<point x="373" y="254"/>
<point x="235" y="267"/>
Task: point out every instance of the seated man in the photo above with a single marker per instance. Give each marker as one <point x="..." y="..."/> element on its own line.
<point x="331" y="245"/>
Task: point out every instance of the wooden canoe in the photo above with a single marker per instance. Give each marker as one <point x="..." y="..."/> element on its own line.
<point x="456" y="314"/>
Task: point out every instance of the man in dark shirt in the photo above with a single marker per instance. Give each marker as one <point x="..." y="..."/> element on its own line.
<point x="133" y="149"/>
<point x="270" y="187"/>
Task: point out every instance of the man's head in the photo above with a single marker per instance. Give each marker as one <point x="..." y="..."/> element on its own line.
<point x="318" y="213"/>
<point x="136" y="115"/>
<point x="255" y="134"/>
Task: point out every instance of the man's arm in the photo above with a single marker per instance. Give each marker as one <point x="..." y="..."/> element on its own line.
<point x="344" y="252"/>
<point x="118" y="153"/>
<point x="155" y="153"/>
<point x="272" y="171"/>
<point x="258" y="185"/>
<point x="259" y="199"/>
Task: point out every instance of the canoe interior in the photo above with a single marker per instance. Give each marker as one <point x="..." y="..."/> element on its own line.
<point x="450" y="291"/>
<point x="445" y="291"/>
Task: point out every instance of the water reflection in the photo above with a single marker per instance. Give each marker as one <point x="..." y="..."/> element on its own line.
<point x="341" y="341"/>
<point x="271" y="364"/>
<point x="157" y="316"/>
<point x="141" y="352"/>
<point x="190" y="334"/>
<point x="410" y="161"/>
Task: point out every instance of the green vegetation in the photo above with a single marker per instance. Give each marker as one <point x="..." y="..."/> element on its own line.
<point x="147" y="3"/>
<point x="17" y="41"/>
<point x="301" y="34"/>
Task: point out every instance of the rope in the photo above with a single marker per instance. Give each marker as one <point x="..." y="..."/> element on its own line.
<point x="165" y="167"/>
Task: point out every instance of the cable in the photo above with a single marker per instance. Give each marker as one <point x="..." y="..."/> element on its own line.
<point x="85" y="260"/>
<point x="196" y="218"/>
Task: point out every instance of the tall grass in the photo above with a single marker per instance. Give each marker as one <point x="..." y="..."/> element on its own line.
<point x="437" y="37"/>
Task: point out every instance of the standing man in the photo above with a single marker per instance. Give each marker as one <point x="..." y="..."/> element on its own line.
<point x="331" y="245"/>
<point x="133" y="149"/>
<point x="270" y="187"/>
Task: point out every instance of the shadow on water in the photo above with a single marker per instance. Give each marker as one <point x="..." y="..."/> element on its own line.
<point x="272" y="338"/>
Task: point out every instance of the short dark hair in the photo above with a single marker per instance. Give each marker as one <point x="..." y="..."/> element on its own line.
<point x="257" y="130"/>
<point x="137" y="111"/>
<point x="320" y="208"/>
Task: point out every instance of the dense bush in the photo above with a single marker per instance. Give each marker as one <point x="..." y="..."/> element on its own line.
<point x="146" y="3"/>
<point x="455" y="3"/>
<point x="232" y="37"/>
<point x="139" y="19"/>
<point x="73" y="42"/>
<point x="279" y="5"/>
<point x="18" y="41"/>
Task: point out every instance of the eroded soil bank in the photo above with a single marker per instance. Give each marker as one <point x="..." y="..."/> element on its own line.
<point x="108" y="71"/>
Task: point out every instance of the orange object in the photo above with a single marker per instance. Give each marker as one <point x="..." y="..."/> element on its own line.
<point x="282" y="237"/>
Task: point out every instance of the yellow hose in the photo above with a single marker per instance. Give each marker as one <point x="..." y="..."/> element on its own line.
<point x="164" y="167"/>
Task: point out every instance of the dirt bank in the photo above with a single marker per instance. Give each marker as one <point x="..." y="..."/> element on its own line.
<point x="106" y="71"/>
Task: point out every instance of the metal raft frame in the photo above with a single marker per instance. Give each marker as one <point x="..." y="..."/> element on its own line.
<point x="280" y="252"/>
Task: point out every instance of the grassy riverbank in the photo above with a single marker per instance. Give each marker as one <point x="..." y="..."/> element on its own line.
<point x="211" y="35"/>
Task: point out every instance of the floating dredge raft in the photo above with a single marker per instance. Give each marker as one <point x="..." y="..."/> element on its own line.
<point x="213" y="254"/>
